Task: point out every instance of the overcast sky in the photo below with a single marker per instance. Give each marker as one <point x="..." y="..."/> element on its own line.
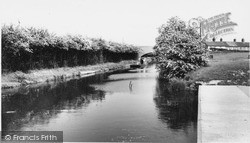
<point x="130" y="21"/>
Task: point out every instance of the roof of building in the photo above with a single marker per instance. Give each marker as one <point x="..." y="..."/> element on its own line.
<point x="227" y="44"/>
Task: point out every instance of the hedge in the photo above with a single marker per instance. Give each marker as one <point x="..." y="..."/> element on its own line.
<point x="30" y="48"/>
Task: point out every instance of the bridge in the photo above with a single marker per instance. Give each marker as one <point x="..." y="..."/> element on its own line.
<point x="150" y="54"/>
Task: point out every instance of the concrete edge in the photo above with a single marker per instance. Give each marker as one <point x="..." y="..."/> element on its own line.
<point x="244" y="89"/>
<point x="199" y="131"/>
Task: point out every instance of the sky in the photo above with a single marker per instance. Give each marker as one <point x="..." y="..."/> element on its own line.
<point x="128" y="21"/>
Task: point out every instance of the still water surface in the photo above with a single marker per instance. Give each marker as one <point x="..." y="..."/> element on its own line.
<point x="104" y="108"/>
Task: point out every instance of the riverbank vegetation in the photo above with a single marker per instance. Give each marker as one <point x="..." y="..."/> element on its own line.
<point x="31" y="48"/>
<point x="18" y="78"/>
<point x="180" y="54"/>
<point x="178" y="49"/>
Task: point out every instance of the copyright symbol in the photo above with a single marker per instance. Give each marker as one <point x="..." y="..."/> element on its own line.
<point x="7" y="137"/>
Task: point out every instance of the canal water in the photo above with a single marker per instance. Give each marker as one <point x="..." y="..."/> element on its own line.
<point x="132" y="106"/>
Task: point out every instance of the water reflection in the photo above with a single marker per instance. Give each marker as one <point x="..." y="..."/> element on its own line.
<point x="130" y="106"/>
<point x="177" y="105"/>
<point x="38" y="105"/>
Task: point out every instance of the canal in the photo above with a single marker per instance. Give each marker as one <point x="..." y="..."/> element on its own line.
<point x="131" y="106"/>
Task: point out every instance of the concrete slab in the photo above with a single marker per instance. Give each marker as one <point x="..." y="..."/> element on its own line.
<point x="224" y="114"/>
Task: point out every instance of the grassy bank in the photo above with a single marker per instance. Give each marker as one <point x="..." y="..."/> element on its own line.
<point x="18" y="78"/>
<point x="232" y="68"/>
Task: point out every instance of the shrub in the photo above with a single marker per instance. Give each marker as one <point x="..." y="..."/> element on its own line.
<point x="178" y="49"/>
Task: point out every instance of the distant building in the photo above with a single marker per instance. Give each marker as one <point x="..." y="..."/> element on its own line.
<point x="227" y="45"/>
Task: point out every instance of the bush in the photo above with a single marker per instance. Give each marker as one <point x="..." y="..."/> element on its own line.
<point x="179" y="49"/>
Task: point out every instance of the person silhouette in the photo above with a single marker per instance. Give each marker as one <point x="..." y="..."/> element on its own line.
<point x="141" y="61"/>
<point x="130" y="86"/>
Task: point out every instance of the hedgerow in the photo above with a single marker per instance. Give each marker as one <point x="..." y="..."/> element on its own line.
<point x="32" y="48"/>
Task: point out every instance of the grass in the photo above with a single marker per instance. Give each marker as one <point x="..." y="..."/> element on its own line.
<point x="15" y="79"/>
<point x="230" y="67"/>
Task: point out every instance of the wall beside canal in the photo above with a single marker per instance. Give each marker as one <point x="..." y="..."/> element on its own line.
<point x="223" y="114"/>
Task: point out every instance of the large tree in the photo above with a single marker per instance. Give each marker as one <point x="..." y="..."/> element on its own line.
<point x="179" y="49"/>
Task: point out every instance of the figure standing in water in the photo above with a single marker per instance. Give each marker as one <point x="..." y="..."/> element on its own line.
<point x="141" y="61"/>
<point x="130" y="86"/>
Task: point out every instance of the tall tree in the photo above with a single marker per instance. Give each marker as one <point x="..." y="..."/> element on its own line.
<point x="179" y="49"/>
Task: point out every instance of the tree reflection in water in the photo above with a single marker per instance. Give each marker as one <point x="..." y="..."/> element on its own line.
<point x="177" y="104"/>
<point x="39" y="104"/>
